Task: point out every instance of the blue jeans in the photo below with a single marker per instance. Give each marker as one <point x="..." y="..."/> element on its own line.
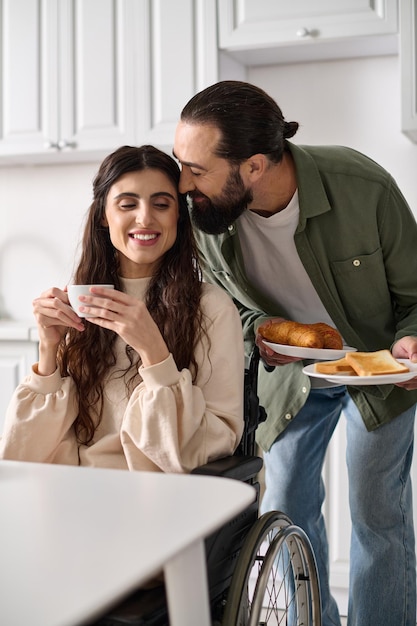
<point x="382" y="590"/>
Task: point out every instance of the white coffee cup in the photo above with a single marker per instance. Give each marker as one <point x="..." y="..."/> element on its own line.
<point x="74" y="291"/>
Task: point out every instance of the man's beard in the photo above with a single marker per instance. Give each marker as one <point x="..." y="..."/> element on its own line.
<point x="216" y="215"/>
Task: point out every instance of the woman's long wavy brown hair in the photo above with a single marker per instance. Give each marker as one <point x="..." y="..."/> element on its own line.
<point x="173" y="296"/>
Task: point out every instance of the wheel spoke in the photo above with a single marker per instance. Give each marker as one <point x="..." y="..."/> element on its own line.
<point x="275" y="581"/>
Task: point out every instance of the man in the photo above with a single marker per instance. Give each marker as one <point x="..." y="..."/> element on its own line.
<point x="315" y="234"/>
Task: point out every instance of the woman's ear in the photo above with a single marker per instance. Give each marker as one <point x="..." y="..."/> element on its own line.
<point x="104" y="221"/>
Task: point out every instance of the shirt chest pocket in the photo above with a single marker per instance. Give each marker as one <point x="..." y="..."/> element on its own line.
<point x="362" y="285"/>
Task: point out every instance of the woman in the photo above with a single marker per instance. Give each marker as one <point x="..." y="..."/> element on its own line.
<point x="154" y="379"/>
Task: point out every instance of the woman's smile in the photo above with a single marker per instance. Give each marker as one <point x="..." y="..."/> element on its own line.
<point x="144" y="238"/>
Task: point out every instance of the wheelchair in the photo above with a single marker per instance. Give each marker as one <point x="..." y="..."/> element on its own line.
<point x="261" y="569"/>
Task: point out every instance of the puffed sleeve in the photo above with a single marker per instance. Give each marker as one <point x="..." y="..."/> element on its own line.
<point x="178" y="424"/>
<point x="39" y="419"/>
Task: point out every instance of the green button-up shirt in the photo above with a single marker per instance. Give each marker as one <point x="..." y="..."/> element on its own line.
<point x="357" y="239"/>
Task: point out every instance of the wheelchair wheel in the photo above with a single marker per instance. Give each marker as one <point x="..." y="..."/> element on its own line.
<point x="275" y="581"/>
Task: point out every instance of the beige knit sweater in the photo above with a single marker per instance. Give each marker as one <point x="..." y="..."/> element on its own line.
<point x="167" y="424"/>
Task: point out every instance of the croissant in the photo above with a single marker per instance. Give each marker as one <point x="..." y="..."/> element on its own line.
<point x="332" y="338"/>
<point x="319" y="335"/>
<point x="293" y="334"/>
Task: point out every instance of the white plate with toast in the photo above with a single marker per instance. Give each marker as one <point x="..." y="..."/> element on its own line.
<point x="352" y="379"/>
<point x="320" y="354"/>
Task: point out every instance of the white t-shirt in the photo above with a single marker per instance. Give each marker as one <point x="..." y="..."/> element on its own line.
<point x="272" y="263"/>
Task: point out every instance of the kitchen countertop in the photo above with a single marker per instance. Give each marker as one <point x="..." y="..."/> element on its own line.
<point x="14" y="330"/>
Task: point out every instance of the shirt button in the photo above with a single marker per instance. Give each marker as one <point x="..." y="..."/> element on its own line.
<point x="356" y="262"/>
<point x="288" y="416"/>
<point x="304" y="389"/>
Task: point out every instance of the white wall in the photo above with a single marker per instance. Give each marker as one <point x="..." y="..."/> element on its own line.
<point x="42" y="209"/>
<point x="352" y="102"/>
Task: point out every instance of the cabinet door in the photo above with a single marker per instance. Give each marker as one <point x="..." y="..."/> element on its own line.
<point x="337" y="515"/>
<point x="248" y="25"/>
<point x="28" y="96"/>
<point x="94" y="83"/>
<point x="178" y="57"/>
<point x="16" y="358"/>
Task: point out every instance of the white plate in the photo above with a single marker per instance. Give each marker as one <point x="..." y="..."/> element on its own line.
<point x="350" y="379"/>
<point x="320" y="354"/>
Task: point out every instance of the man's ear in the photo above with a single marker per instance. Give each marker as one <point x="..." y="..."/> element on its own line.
<point x="255" y="167"/>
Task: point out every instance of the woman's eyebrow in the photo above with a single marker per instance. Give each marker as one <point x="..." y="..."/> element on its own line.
<point x="163" y="193"/>
<point x="132" y="194"/>
<point x="126" y="194"/>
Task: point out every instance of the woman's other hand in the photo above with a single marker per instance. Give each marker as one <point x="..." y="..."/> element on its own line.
<point x="54" y="316"/>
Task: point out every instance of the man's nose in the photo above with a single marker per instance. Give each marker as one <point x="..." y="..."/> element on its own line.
<point x="186" y="183"/>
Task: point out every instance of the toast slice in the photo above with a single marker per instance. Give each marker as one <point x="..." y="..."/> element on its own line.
<point x="340" y="366"/>
<point x="375" y="363"/>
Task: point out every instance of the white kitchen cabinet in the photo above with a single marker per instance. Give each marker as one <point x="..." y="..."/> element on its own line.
<point x="408" y="55"/>
<point x="177" y="56"/>
<point x="79" y="78"/>
<point x="337" y="515"/>
<point x="18" y="351"/>
<point x="66" y="76"/>
<point x="274" y="31"/>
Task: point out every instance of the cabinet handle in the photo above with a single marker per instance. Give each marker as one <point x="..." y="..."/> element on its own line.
<point x="59" y="145"/>
<point x="303" y="32"/>
<point x="48" y="145"/>
<point x="64" y="143"/>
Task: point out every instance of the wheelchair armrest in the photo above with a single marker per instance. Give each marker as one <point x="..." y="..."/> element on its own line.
<point x="238" y="467"/>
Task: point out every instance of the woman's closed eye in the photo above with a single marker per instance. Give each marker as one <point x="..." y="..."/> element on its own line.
<point x="127" y="207"/>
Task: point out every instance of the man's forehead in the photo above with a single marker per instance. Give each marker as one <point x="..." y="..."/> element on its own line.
<point x="193" y="142"/>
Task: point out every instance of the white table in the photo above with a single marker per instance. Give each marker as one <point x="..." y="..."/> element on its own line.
<point x="75" y="540"/>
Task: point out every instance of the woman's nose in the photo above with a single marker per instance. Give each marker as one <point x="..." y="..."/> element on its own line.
<point x="186" y="183"/>
<point x="143" y="214"/>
